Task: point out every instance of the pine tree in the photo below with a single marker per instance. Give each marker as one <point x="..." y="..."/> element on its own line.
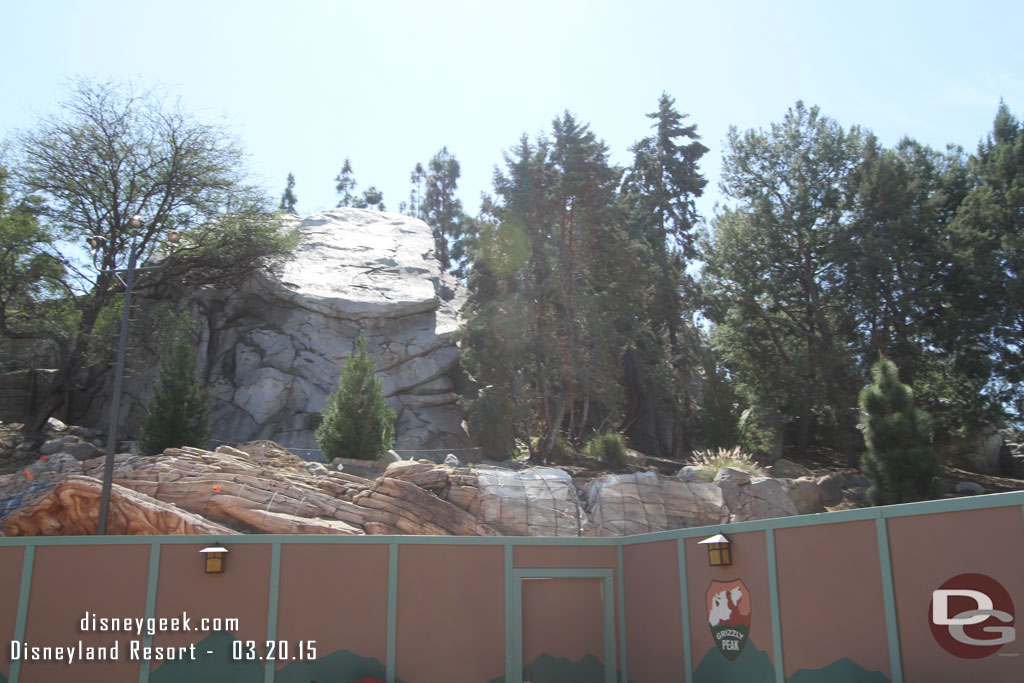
<point x="177" y="412"/>
<point x="899" y="459"/>
<point x="417" y="178"/>
<point x="346" y="184"/>
<point x="358" y="422"/>
<point x="288" y="199"/>
<point x="441" y="209"/>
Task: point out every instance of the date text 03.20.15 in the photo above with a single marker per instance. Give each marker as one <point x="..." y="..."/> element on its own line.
<point x="280" y="650"/>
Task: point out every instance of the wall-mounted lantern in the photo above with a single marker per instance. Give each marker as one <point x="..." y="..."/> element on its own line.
<point x="719" y="552"/>
<point x="215" y="556"/>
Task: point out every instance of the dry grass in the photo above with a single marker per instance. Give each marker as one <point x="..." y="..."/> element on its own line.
<point x="710" y="462"/>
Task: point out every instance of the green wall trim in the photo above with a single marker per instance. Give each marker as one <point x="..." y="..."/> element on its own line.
<point x="151" y="585"/>
<point x="392" y="611"/>
<point x="510" y="607"/>
<point x="889" y="597"/>
<point x="275" y="590"/>
<point x="684" y="610"/>
<point x="514" y="621"/>
<point x="623" y="665"/>
<point x="27" y="563"/>
<point x="773" y="596"/>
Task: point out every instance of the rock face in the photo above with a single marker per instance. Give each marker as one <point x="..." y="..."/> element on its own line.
<point x="272" y="349"/>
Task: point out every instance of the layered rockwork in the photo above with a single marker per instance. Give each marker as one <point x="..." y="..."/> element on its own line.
<point x="271" y="349"/>
<point x="267" y="490"/>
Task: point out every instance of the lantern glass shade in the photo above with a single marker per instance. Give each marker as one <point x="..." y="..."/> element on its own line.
<point x="719" y="550"/>
<point x="214" y="559"/>
<point x="719" y="554"/>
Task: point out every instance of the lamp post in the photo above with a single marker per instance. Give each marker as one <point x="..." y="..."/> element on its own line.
<point x="115" y="407"/>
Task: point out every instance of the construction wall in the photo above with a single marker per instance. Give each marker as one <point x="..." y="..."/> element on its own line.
<point x="840" y="597"/>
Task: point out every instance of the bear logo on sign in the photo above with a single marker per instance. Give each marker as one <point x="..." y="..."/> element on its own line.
<point x="729" y="616"/>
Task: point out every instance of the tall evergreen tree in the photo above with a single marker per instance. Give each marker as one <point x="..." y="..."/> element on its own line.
<point x="899" y="460"/>
<point x="986" y="282"/>
<point x="659" y="191"/>
<point x="772" y="276"/>
<point x="554" y="290"/>
<point x="418" y="178"/>
<point x="346" y="185"/>
<point x="177" y="413"/>
<point x="441" y="209"/>
<point x="288" y="199"/>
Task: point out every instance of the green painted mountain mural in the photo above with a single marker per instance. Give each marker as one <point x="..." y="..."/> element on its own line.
<point x="752" y="666"/>
<point x="210" y="668"/>
<point x="548" y="669"/>
<point x="840" y="671"/>
<point x="341" y="666"/>
<point x="338" y="667"/>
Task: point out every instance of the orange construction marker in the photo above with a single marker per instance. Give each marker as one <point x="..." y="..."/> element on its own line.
<point x="28" y="475"/>
<point x="216" y="487"/>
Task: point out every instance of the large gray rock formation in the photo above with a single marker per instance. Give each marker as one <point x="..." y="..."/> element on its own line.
<point x="272" y="348"/>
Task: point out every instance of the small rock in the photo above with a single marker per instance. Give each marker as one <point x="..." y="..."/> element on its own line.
<point x="690" y="473"/>
<point x="969" y="488"/>
<point x="391" y="456"/>
<point x="54" y="445"/>
<point x="733" y="476"/>
<point x="228" y="450"/>
<point x="317" y="469"/>
<point x="25" y="446"/>
<point x="858" y="482"/>
<point x="787" y="469"/>
<point x="805" y="494"/>
<point x="831" y="486"/>
<point x="85" y="432"/>
<point x="55" y="424"/>
<point x="452" y="461"/>
<point x="82" y="450"/>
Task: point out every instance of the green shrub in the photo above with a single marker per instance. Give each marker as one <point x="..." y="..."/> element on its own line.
<point x="899" y="459"/>
<point x="177" y="413"/>
<point x="711" y="461"/>
<point x="609" y="447"/>
<point x="358" y="422"/>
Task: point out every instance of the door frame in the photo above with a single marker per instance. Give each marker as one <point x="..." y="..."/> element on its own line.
<point x="514" y="616"/>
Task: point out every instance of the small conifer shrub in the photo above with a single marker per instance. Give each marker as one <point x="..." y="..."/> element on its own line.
<point x="608" y="447"/>
<point x="177" y="413"/>
<point x="899" y="459"/>
<point x="358" y="422"/>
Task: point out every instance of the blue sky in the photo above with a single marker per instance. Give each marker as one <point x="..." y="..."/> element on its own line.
<point x="387" y="84"/>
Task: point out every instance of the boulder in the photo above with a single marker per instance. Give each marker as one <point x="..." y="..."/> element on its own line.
<point x="747" y="499"/>
<point x="690" y="473"/>
<point x="805" y="494"/>
<point x="275" y="344"/>
<point x="787" y="469"/>
<point x="642" y="502"/>
<point x="537" y="501"/>
<point x="969" y="488"/>
<point x="82" y="450"/>
<point x="71" y="508"/>
<point x="831" y="486"/>
<point x="978" y="452"/>
<point x="55" y="445"/>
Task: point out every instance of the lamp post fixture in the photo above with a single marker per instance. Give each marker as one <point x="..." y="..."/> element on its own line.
<point x="115" y="408"/>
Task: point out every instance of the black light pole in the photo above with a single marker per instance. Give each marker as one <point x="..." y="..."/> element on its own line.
<point x="115" y="408"/>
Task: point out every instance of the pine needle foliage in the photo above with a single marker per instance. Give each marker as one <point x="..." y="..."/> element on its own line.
<point x="177" y="413"/>
<point x="899" y="459"/>
<point x="358" y="422"/>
